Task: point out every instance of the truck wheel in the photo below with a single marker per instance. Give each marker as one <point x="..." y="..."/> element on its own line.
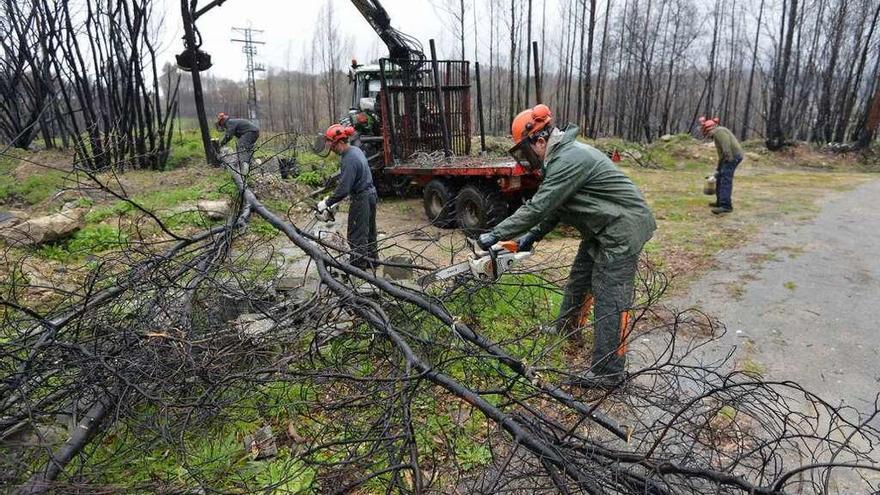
<point x="479" y="208"/>
<point x="439" y="201"/>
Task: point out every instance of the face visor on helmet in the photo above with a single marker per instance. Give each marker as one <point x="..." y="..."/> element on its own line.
<point x="523" y="152"/>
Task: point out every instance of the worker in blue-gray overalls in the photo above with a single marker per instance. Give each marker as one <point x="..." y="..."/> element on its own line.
<point x="245" y="132"/>
<point x="356" y="182"/>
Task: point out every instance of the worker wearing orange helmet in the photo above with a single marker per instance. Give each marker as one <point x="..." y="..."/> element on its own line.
<point x="244" y="131"/>
<point x="356" y="182"/>
<point x="584" y="189"/>
<point x="730" y="154"/>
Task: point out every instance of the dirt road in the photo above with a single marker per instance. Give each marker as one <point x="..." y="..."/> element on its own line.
<point x="799" y="302"/>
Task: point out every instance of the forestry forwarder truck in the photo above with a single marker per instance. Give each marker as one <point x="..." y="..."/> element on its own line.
<point x="413" y="121"/>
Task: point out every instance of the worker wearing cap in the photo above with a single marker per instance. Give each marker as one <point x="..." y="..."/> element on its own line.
<point x="356" y="182"/>
<point x="244" y="131"/>
<point x="730" y="154"/>
<point x="584" y="189"/>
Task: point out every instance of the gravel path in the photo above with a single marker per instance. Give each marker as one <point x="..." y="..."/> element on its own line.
<point x="799" y="303"/>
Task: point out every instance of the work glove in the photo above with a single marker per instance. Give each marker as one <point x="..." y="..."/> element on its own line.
<point x="526" y="242"/>
<point x="324" y="212"/>
<point x="487" y="240"/>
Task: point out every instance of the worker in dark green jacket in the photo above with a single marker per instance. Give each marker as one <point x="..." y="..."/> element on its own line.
<point x="584" y="189"/>
<point x="730" y="154"/>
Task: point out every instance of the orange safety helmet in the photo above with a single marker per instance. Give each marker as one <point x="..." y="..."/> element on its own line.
<point x="707" y="125"/>
<point x="530" y="122"/>
<point x="337" y="132"/>
<point x="221" y="118"/>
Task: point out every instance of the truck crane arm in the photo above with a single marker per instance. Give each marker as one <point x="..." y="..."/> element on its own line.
<point x="400" y="46"/>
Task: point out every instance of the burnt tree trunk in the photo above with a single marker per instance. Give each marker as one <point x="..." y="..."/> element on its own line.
<point x="190" y="42"/>
<point x="597" y="102"/>
<point x="775" y="132"/>
<point x="822" y="128"/>
<point x="747" y="122"/>
<point x="849" y="97"/>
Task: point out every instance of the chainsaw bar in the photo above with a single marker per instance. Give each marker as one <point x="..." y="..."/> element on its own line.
<point x="444" y="273"/>
<point x="482" y="266"/>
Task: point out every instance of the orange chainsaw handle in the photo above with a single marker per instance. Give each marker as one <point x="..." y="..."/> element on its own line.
<point x="511" y="246"/>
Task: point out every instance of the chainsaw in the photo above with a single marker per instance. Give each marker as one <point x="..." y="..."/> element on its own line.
<point x="482" y="265"/>
<point x="328" y="215"/>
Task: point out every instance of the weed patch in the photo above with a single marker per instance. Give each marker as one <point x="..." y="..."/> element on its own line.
<point x="92" y="239"/>
<point x="186" y="148"/>
<point x="32" y="190"/>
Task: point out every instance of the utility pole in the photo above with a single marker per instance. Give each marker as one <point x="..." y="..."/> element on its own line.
<point x="250" y="50"/>
<point x="191" y="43"/>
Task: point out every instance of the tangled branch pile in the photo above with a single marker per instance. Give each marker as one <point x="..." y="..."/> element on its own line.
<point x="172" y="350"/>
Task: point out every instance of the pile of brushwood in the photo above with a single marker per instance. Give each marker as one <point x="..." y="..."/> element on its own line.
<point x="370" y="385"/>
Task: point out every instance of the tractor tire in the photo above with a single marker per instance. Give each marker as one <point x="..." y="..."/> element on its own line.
<point x="439" y="200"/>
<point x="478" y="209"/>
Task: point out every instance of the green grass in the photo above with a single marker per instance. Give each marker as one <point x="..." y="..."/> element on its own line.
<point x="186" y="148"/>
<point x="262" y="228"/>
<point x="92" y="239"/>
<point x="31" y="190"/>
<point x="158" y="200"/>
<point x="215" y="458"/>
<point x="688" y="236"/>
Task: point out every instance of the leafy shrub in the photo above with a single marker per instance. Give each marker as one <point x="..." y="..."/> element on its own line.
<point x="311" y="178"/>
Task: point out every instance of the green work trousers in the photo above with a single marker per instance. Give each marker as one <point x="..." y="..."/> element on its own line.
<point x="609" y="287"/>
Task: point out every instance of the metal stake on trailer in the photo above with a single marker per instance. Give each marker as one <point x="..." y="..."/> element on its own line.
<point x="441" y="103"/>
<point x="388" y="101"/>
<point x="538" y="97"/>
<point x="480" y="108"/>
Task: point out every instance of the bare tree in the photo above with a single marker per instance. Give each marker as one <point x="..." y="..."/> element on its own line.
<point x="775" y="132"/>
<point x="328" y="44"/>
<point x="455" y="14"/>
<point x="747" y="122"/>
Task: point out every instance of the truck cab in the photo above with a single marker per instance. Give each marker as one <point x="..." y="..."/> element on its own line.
<point x="364" y="112"/>
<point x="365" y="82"/>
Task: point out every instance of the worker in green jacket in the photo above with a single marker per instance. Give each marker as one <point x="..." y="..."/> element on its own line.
<point x="584" y="189"/>
<point x="730" y="154"/>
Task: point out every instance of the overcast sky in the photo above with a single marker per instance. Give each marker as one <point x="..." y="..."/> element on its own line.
<point x="288" y="27"/>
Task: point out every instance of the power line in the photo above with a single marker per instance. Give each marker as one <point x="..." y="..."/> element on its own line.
<point x="250" y="51"/>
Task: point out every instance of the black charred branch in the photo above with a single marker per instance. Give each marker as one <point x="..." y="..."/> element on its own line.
<point x="153" y="347"/>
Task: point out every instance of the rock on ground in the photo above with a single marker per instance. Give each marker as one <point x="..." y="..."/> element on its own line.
<point x="254" y="325"/>
<point x="215" y="210"/>
<point x="40" y="230"/>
